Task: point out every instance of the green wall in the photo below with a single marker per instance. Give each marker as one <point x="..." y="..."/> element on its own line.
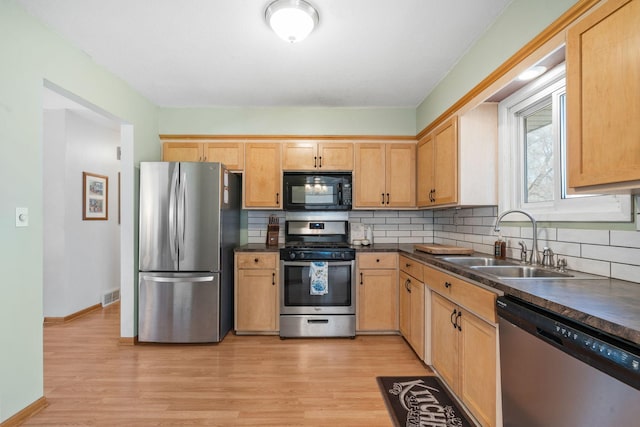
<point x="520" y="23"/>
<point x="30" y="55"/>
<point x="289" y="121"/>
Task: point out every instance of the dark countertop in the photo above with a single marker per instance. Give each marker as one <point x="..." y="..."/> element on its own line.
<point x="609" y="305"/>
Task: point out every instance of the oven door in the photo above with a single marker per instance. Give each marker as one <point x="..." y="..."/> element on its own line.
<point x="296" y="296"/>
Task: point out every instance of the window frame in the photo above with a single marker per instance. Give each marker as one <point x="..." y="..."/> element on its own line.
<point x="586" y="208"/>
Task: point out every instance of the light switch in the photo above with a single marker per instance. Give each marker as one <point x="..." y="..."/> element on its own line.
<point x="22" y="217"/>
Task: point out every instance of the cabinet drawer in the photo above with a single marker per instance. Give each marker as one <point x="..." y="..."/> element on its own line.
<point x="257" y="260"/>
<point x="472" y="297"/>
<point x="411" y="267"/>
<point x="377" y="260"/>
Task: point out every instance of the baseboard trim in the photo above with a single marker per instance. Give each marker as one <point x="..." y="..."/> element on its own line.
<point x="26" y="413"/>
<point x="128" y="340"/>
<point x="72" y="316"/>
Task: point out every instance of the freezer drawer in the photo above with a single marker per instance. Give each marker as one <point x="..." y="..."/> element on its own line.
<point x="179" y="307"/>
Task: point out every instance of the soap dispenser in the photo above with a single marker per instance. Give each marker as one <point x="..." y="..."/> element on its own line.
<point x="500" y="248"/>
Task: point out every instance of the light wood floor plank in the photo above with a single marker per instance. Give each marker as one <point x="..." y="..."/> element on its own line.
<point x="92" y="380"/>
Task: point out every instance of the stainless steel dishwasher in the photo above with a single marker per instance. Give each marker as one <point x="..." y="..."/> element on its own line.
<point x="561" y="373"/>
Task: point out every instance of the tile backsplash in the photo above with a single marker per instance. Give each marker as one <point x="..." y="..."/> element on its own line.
<point x="609" y="253"/>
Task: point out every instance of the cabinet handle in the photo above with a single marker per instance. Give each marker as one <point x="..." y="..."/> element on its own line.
<point x="320" y="165"/>
<point x="457" y="319"/>
<point x="377" y="259"/>
<point x="407" y="285"/>
<point x="273" y="279"/>
<point x="382" y="198"/>
<point x="256" y="260"/>
<point x="407" y="265"/>
<point x="387" y="198"/>
<point x="447" y="284"/>
<point x="277" y="198"/>
<point x="361" y="277"/>
<point x="315" y="161"/>
<point x="451" y="318"/>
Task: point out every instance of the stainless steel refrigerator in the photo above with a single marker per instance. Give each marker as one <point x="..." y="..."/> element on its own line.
<point x="189" y="226"/>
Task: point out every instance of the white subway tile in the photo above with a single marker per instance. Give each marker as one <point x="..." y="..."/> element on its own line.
<point x="474" y="220"/>
<point x="398" y="233"/>
<point x="410" y="227"/>
<point x="399" y="220"/>
<point x="625" y="272"/>
<point x="386" y="214"/>
<point x="612" y="253"/>
<point x="594" y="237"/>
<point x="629" y="239"/>
<point x="490" y="211"/>
<point x="592" y="266"/>
<point x="386" y="240"/>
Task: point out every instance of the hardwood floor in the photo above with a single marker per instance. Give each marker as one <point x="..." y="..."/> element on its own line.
<point x="92" y="380"/>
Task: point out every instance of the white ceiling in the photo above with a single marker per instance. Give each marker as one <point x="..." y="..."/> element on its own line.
<point x="196" y="53"/>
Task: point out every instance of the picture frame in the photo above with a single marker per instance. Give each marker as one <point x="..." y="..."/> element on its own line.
<point x="95" y="197"/>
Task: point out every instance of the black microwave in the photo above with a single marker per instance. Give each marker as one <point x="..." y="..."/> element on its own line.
<point x="305" y="191"/>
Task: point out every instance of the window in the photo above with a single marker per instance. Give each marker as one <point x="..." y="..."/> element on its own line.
<point x="533" y="169"/>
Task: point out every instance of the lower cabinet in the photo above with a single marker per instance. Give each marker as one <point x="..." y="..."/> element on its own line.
<point x="412" y="308"/>
<point x="256" y="293"/>
<point x="377" y="294"/>
<point x="464" y="352"/>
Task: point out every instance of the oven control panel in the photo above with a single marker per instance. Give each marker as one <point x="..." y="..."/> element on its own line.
<point x="317" y="254"/>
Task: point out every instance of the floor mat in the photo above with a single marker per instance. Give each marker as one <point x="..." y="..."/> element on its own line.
<point x="421" y="401"/>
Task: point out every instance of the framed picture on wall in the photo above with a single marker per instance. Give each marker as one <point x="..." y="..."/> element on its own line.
<point x="95" y="192"/>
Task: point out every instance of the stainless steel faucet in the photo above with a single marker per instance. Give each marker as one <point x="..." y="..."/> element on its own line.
<point x="534" y="251"/>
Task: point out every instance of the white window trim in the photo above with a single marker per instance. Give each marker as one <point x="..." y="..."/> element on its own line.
<point x="610" y="208"/>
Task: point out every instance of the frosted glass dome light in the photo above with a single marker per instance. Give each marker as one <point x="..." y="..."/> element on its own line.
<point x="291" y="20"/>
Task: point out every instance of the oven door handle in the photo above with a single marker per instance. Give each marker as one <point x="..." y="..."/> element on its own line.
<point x="306" y="263"/>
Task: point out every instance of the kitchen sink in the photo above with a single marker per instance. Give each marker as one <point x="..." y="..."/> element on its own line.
<point x="472" y="261"/>
<point x="520" y="272"/>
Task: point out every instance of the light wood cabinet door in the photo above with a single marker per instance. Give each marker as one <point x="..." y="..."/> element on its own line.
<point x="416" y="310"/>
<point x="299" y="156"/>
<point x="314" y="156"/>
<point x="182" y="152"/>
<point x="256" y="300"/>
<point x="369" y="175"/>
<point x="262" y="176"/>
<point x="445" y="152"/>
<point x="377" y="300"/>
<point x="445" y="340"/>
<point x="405" y="304"/>
<point x="231" y="154"/>
<point x="603" y="102"/>
<point x="400" y="175"/>
<point x="424" y="173"/>
<point x="335" y="156"/>
<point x="478" y="365"/>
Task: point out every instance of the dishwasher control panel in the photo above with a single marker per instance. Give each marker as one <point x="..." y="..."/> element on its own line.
<point x="600" y="348"/>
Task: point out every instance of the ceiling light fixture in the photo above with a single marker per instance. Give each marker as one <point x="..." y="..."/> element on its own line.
<point x="291" y="20"/>
<point x="532" y="73"/>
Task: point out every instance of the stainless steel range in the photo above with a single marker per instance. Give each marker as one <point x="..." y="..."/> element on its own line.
<point x="317" y="280"/>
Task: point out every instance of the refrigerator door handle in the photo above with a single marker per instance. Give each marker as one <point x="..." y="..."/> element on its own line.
<point x="182" y="197"/>
<point x="177" y="279"/>
<point x="172" y="216"/>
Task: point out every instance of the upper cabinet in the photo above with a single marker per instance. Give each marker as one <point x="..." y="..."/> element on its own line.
<point x="263" y="176"/>
<point x="437" y="165"/>
<point x="182" y="152"/>
<point x="603" y="102"/>
<point x="317" y="156"/>
<point x="230" y="153"/>
<point x="457" y="161"/>
<point x="385" y="175"/>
